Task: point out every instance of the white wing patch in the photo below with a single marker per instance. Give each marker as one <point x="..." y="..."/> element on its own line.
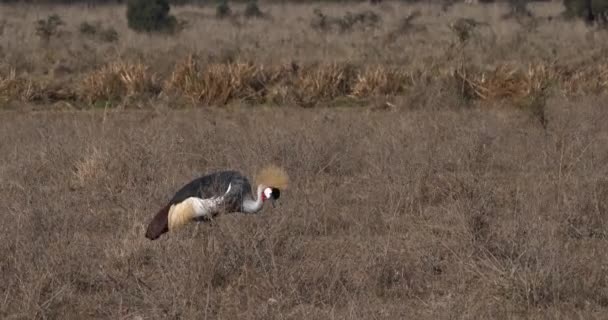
<point x="184" y="212"/>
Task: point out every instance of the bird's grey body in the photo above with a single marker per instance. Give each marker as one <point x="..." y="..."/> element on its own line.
<point x="215" y="184"/>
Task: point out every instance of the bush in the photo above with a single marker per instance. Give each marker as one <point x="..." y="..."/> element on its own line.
<point x="253" y="11"/>
<point x="518" y="8"/>
<point x="150" y="16"/>
<point x="45" y="29"/>
<point x="87" y="28"/>
<point x="108" y="35"/>
<point x="97" y="31"/>
<point x="223" y="9"/>
<point x="589" y="10"/>
<point x="364" y="19"/>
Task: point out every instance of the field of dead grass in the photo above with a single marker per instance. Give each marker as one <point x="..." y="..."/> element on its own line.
<point x="429" y="214"/>
<point x="472" y="184"/>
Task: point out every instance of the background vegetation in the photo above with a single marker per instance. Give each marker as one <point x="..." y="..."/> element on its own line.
<point x="304" y="54"/>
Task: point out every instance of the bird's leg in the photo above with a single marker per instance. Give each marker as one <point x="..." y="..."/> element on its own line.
<point x="210" y="241"/>
<point x="195" y="232"/>
<point x="211" y="221"/>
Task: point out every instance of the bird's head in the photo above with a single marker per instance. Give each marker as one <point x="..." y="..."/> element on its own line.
<point x="272" y="180"/>
<point x="271" y="193"/>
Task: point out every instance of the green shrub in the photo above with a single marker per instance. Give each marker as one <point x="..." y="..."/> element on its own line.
<point x="223" y="9"/>
<point x="348" y="22"/>
<point x="45" y="29"/>
<point x="150" y="16"/>
<point x="108" y="35"/>
<point x="580" y="9"/>
<point x="253" y="11"/>
<point x="97" y="31"/>
<point x="518" y="8"/>
<point x="87" y="28"/>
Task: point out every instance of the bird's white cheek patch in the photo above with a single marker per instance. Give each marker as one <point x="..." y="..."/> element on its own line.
<point x="267" y="193"/>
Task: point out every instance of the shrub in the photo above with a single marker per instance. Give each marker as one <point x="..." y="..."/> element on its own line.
<point x="346" y="23"/>
<point x="320" y="21"/>
<point x="464" y="28"/>
<point x="45" y="29"/>
<point x="150" y="16"/>
<point x="223" y="9"/>
<point x="108" y="35"/>
<point x="365" y="19"/>
<point x="87" y="28"/>
<point x="587" y="9"/>
<point x="97" y="31"/>
<point x="253" y="11"/>
<point x="518" y="8"/>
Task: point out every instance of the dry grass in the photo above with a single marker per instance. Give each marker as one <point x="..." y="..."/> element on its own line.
<point x="425" y="206"/>
<point x="381" y="80"/>
<point x="322" y="83"/>
<point x="13" y="87"/>
<point x="220" y="83"/>
<point x="118" y="81"/>
<point x="477" y="213"/>
<point x="509" y="82"/>
<point x="284" y="60"/>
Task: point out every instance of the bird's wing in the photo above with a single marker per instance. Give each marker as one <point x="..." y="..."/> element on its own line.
<point x="213" y="185"/>
<point x="241" y="189"/>
<point x="193" y="207"/>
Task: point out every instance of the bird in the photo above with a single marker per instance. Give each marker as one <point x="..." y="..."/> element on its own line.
<point x="224" y="191"/>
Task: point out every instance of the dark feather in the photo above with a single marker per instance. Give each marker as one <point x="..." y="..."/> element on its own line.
<point x="159" y="224"/>
<point x="215" y="185"/>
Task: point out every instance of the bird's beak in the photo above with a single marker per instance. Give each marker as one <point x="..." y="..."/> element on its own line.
<point x="273" y="204"/>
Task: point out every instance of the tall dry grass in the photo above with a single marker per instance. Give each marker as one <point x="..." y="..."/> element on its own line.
<point x="117" y="81"/>
<point x="217" y="84"/>
<point x="407" y="41"/>
<point x="434" y="213"/>
<point x="13" y="87"/>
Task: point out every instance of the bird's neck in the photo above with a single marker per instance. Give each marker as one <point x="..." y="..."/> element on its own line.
<point x="254" y="205"/>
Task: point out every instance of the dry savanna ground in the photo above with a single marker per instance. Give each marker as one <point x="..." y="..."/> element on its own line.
<point x="435" y="173"/>
<point x="426" y="214"/>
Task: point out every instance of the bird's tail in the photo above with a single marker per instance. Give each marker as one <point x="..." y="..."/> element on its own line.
<point x="272" y="176"/>
<point x="159" y="224"/>
<point x="175" y="216"/>
<point x="181" y="214"/>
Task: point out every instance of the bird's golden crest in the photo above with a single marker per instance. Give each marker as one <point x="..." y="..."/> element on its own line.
<point x="273" y="176"/>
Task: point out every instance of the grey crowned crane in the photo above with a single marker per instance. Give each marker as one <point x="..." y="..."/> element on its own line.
<point x="218" y="192"/>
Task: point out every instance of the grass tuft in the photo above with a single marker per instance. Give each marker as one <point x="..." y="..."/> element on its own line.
<point x="117" y="81"/>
